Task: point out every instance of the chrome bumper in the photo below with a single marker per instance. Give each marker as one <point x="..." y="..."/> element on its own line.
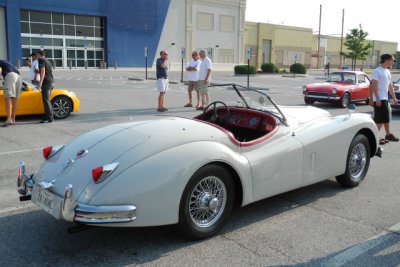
<point x="67" y="208"/>
<point x="327" y="97"/>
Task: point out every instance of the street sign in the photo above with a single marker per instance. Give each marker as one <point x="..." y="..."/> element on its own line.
<point x="145" y="51"/>
<point x="183" y="52"/>
<point x="248" y="53"/>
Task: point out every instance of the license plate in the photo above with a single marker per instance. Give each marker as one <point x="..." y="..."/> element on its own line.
<point x="45" y="200"/>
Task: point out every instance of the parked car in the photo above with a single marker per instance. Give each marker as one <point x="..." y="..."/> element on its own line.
<point x="396" y="86"/>
<point x="30" y="102"/>
<point x="342" y="87"/>
<point x="192" y="172"/>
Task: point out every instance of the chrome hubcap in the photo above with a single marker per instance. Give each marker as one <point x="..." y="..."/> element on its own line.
<point x="358" y="161"/>
<point x="207" y="202"/>
<point x="61" y="108"/>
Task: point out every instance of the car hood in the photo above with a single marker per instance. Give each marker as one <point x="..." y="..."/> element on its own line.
<point x="126" y="144"/>
<point x="326" y="86"/>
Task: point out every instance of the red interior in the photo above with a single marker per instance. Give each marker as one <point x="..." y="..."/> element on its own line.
<point x="244" y="127"/>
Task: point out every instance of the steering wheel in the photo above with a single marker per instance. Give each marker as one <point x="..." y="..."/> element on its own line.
<point x="215" y="117"/>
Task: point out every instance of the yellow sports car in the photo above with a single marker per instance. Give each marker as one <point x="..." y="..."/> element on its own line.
<point x="30" y="103"/>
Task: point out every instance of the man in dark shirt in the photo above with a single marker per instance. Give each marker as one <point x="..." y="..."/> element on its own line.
<point x="11" y="90"/>
<point x="162" y="79"/>
<point x="46" y="84"/>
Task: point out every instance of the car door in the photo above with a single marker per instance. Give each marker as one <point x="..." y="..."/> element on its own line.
<point x="30" y="101"/>
<point x="276" y="165"/>
<point x="363" y="82"/>
<point x="2" y="102"/>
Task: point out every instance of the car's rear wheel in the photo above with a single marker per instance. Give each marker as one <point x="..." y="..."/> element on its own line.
<point x="206" y="203"/>
<point x="345" y="100"/>
<point x="309" y="101"/>
<point x="62" y="107"/>
<point x="357" y="163"/>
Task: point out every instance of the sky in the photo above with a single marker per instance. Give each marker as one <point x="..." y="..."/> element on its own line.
<point x="380" y="19"/>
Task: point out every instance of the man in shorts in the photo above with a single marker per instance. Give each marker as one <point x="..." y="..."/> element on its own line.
<point x="381" y="85"/>
<point x="11" y="90"/>
<point x="162" y="79"/>
<point x="193" y="77"/>
<point x="204" y="79"/>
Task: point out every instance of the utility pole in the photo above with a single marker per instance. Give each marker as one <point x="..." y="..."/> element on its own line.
<point x="319" y="36"/>
<point x="341" y="41"/>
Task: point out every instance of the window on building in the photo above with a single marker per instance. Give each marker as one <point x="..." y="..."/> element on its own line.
<point x="24" y="15"/>
<point x="36" y="16"/>
<point x="205" y="21"/>
<point x="226" y="55"/>
<point x="227" y="23"/>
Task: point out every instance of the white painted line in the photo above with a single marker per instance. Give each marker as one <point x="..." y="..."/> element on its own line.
<point x="20" y="151"/>
<point x="353" y="252"/>
<point x="14" y="209"/>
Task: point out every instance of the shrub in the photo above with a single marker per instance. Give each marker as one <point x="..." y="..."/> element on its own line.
<point x="244" y="69"/>
<point x="298" y="68"/>
<point x="269" y="68"/>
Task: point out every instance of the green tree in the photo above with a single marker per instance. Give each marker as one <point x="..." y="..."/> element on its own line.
<point x="358" y="48"/>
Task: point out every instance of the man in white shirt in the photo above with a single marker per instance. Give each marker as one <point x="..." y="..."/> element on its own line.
<point x="193" y="77"/>
<point x="204" y="79"/>
<point x="381" y="85"/>
<point x="33" y="74"/>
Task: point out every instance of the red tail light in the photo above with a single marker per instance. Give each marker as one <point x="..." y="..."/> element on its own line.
<point x="96" y="173"/>
<point x="47" y="152"/>
<point x="101" y="173"/>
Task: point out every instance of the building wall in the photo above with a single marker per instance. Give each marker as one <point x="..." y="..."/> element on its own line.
<point x="204" y="24"/>
<point x="130" y="25"/>
<point x="3" y="44"/>
<point x="288" y="44"/>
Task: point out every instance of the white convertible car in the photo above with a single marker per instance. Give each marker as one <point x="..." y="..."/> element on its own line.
<point x="192" y="172"/>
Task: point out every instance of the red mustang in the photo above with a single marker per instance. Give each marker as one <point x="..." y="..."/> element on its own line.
<point x="342" y="87"/>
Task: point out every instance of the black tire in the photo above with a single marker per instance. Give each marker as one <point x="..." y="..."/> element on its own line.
<point x="203" y="213"/>
<point x="345" y="100"/>
<point x="357" y="163"/>
<point x="309" y="101"/>
<point x="62" y="107"/>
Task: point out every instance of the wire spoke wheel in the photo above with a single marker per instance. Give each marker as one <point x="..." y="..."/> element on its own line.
<point x="358" y="160"/>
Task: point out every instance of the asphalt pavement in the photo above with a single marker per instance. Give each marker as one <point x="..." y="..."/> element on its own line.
<point x="319" y="225"/>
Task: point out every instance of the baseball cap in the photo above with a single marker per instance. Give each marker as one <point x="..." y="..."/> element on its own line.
<point x="385" y="57"/>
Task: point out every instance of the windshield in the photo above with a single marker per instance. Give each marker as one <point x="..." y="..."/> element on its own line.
<point x="343" y="77"/>
<point x="25" y="83"/>
<point x="239" y="96"/>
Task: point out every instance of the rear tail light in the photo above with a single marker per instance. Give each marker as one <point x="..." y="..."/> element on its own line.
<point x="100" y="173"/>
<point x="50" y="151"/>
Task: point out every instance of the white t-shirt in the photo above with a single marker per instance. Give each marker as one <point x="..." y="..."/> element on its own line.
<point x="31" y="74"/>
<point x="384" y="78"/>
<point x="193" y="75"/>
<point x="204" y="67"/>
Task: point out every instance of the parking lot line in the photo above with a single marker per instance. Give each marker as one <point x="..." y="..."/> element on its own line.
<point x="15" y="209"/>
<point x="355" y="251"/>
<point x="19" y="151"/>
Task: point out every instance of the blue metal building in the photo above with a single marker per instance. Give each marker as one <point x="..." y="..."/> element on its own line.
<point x="78" y="31"/>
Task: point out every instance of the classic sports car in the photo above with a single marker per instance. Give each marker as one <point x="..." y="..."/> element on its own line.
<point x="30" y="102"/>
<point x="193" y="171"/>
<point x="396" y="88"/>
<point x="342" y="87"/>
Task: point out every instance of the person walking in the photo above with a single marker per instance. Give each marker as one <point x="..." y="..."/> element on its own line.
<point x="204" y="79"/>
<point x="162" y="79"/>
<point x="381" y="85"/>
<point x="33" y="74"/>
<point x="193" y="77"/>
<point x="11" y="90"/>
<point x="46" y="84"/>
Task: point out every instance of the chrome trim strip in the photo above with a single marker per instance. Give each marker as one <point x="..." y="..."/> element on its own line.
<point x="322" y="97"/>
<point x="105" y="214"/>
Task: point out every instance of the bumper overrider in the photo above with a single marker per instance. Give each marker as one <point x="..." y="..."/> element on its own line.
<point x="65" y="207"/>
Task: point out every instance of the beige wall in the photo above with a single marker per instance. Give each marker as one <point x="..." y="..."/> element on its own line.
<point x="288" y="44"/>
<point x="3" y="45"/>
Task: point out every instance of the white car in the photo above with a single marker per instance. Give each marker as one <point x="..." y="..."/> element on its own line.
<point x="193" y="171"/>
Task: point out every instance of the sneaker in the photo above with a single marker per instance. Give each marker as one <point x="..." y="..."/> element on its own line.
<point x="391" y="137"/>
<point x="188" y="105"/>
<point x="46" y="121"/>
<point x="165" y="109"/>
<point x="160" y="110"/>
<point x="199" y="108"/>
